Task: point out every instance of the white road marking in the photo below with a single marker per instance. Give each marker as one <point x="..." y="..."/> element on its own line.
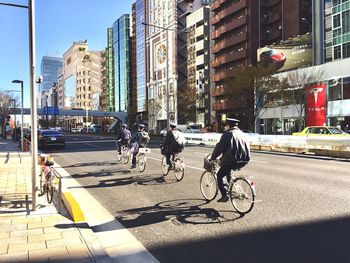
<point x="90" y="141"/>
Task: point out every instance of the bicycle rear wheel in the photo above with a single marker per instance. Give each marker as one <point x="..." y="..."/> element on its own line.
<point x="209" y="186"/>
<point x="179" y="169"/>
<point x="241" y="195"/>
<point x="165" y="166"/>
<point x="142" y="162"/>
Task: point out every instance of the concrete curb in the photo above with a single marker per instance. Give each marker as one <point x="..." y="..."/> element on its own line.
<point x="73" y="207"/>
<point x="119" y="244"/>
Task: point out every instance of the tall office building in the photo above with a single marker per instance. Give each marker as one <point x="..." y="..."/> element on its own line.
<point x="167" y="60"/>
<point x="121" y="50"/>
<point x="110" y="88"/>
<point x="140" y="15"/>
<point x="198" y="63"/>
<point x="50" y="66"/>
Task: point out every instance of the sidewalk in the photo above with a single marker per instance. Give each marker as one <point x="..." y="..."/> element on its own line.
<point x="43" y="235"/>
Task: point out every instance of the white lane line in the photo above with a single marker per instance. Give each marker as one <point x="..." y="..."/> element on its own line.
<point x="189" y="166"/>
<point x="90" y="141"/>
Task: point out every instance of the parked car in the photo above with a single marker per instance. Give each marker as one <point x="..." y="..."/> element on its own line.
<point x="321" y="131"/>
<point x="74" y="130"/>
<point x="96" y="128"/>
<point x="83" y="130"/>
<point x="51" y="138"/>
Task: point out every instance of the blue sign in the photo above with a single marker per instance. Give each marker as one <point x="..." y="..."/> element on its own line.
<point x="51" y="111"/>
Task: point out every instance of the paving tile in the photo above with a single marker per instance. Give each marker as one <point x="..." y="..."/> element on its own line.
<point x="34" y="231"/>
<point x="15" y="257"/>
<point x="56" y="229"/>
<point x="4" y="235"/>
<point x="14" y="240"/>
<point x="25" y="219"/>
<point x="41" y="224"/>
<point x="3" y="248"/>
<point x="8" y="228"/>
<point x="44" y="237"/>
<point x="63" y="242"/>
<point x="13" y="248"/>
<point x="47" y="253"/>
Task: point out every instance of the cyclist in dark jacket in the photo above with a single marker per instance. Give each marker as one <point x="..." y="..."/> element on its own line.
<point x="170" y="144"/>
<point x="235" y="149"/>
<point x="137" y="143"/>
<point x="124" y="137"/>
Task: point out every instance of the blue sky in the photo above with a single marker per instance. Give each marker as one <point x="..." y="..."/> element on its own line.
<point x="58" y="24"/>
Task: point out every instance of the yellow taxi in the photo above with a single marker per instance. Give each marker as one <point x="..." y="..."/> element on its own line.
<point x="321" y="131"/>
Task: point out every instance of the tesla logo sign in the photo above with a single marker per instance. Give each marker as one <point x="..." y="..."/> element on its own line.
<point x="315" y="104"/>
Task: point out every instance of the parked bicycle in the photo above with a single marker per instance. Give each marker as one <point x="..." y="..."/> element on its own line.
<point x="125" y="154"/>
<point x="46" y="182"/>
<point x="142" y="159"/>
<point x="240" y="190"/>
<point x="178" y="166"/>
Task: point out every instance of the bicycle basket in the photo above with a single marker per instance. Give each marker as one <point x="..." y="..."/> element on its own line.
<point x="207" y="165"/>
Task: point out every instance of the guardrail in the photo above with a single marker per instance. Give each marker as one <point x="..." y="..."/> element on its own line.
<point x="58" y="190"/>
<point x="284" y="143"/>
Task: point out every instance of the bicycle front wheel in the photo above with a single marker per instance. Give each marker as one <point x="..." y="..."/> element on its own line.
<point x="179" y="169"/>
<point x="125" y="156"/>
<point x="209" y="186"/>
<point x="241" y="195"/>
<point x="142" y="162"/>
<point x="165" y="169"/>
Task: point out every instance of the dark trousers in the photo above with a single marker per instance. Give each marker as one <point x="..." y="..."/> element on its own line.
<point x="225" y="170"/>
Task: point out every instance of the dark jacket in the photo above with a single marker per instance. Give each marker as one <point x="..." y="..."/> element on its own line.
<point x="234" y="147"/>
<point x="124" y="134"/>
<point x="170" y="141"/>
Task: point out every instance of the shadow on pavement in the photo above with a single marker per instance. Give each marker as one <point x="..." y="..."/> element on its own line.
<point x="179" y="212"/>
<point x="321" y="241"/>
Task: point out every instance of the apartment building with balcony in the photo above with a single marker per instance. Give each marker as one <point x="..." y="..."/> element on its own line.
<point x="80" y="79"/>
<point x="198" y="63"/>
<point x="240" y="28"/>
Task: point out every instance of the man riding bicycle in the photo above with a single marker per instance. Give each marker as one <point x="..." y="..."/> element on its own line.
<point x="139" y="140"/>
<point x="172" y="144"/>
<point x="123" y="137"/>
<point x="235" y="149"/>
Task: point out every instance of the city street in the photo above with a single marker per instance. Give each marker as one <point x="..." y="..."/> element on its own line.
<point x="301" y="213"/>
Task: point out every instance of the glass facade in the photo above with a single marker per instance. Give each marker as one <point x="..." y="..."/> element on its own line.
<point x="337" y="25"/>
<point x="50" y="66"/>
<point x="140" y="56"/>
<point x="110" y="100"/>
<point x="121" y="45"/>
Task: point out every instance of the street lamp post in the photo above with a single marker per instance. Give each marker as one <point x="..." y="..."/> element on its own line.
<point x="21" y="82"/>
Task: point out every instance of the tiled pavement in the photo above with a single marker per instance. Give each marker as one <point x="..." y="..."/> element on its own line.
<point x="42" y="235"/>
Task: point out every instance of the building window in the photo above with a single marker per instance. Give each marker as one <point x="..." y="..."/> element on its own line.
<point x="336" y="21"/>
<point x="335" y="92"/>
<point x="337" y="52"/>
<point x="346" y="88"/>
<point x="346" y="50"/>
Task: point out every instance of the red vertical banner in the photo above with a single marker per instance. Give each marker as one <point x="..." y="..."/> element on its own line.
<point x="316" y="104"/>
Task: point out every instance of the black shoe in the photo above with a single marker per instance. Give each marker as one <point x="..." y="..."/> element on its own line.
<point x="223" y="199"/>
<point x="133" y="166"/>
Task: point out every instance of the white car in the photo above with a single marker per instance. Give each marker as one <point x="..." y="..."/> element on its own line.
<point x="74" y="130"/>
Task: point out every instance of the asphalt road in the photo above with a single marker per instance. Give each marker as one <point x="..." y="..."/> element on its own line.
<point x="302" y="213"/>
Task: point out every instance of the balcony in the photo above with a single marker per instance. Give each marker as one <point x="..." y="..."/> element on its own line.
<point x="200" y="45"/>
<point x="224" y="74"/>
<point x="228" y="10"/>
<point x="200" y="60"/>
<point x="217" y="91"/>
<point x="199" y="31"/>
<point x="217" y="106"/>
<point x="228" y="27"/>
<point x="228" y="58"/>
<point x="224" y="43"/>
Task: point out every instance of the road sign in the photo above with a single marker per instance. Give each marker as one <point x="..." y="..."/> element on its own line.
<point x="51" y="111"/>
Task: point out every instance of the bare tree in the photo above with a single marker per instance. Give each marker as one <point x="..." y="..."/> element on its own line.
<point x="186" y="104"/>
<point x="7" y="105"/>
<point x="254" y="87"/>
<point x="298" y="80"/>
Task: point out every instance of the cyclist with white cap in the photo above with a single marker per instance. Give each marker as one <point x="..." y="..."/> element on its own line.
<point x="139" y="140"/>
<point x="123" y="138"/>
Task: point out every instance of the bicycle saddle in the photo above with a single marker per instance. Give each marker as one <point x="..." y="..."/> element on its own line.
<point x="49" y="163"/>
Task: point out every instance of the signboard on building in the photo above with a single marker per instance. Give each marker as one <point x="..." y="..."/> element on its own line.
<point x="315" y="107"/>
<point x="290" y="54"/>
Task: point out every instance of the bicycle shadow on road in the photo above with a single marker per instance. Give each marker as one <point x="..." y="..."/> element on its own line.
<point x="106" y="163"/>
<point x="179" y="212"/>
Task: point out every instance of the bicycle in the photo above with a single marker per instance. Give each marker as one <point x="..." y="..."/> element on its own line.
<point x="125" y="154"/>
<point x="47" y="184"/>
<point x="240" y="190"/>
<point x="178" y="165"/>
<point x="141" y="158"/>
